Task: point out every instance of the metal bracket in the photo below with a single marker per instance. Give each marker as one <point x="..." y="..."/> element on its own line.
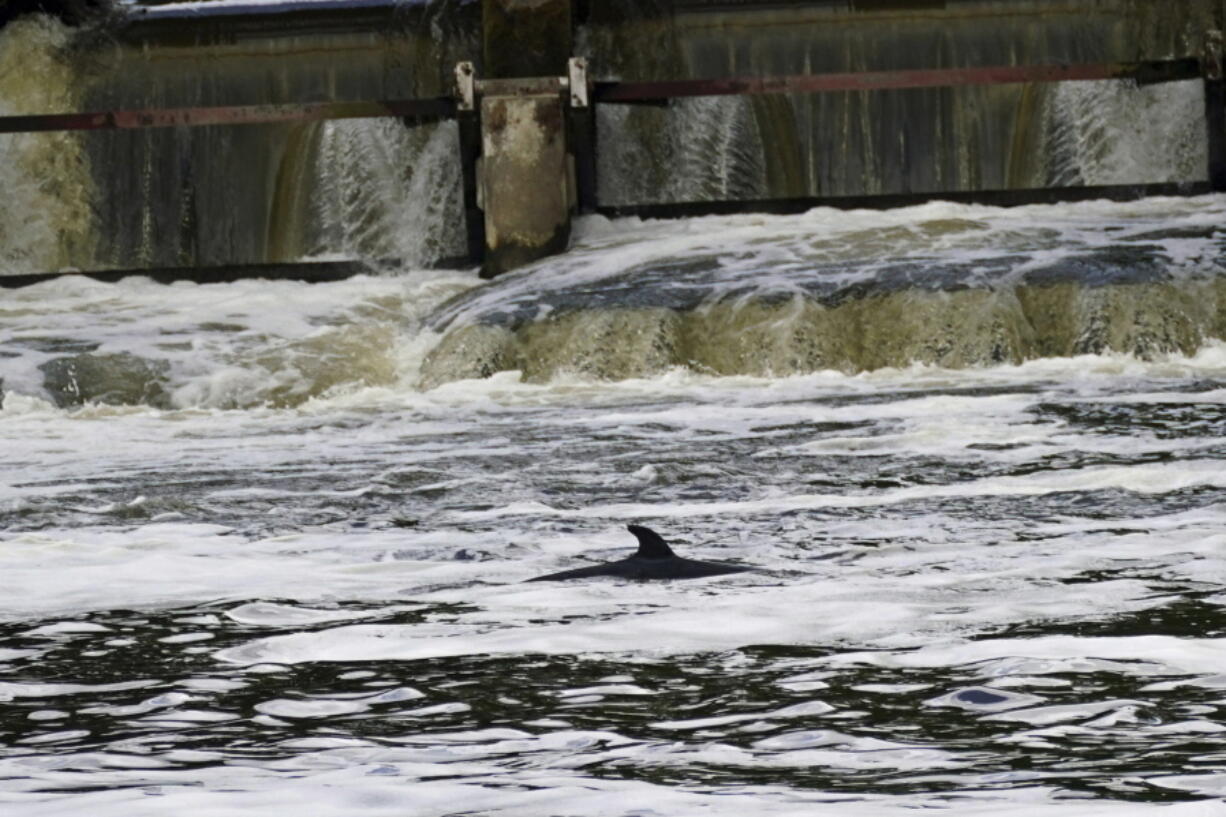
<point x="468" y="88"/>
<point x="465" y="86"/>
<point x="576" y="68"/>
<point x="1211" y="61"/>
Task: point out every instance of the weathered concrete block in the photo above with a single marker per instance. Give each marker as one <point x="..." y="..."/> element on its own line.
<point x="524" y="180"/>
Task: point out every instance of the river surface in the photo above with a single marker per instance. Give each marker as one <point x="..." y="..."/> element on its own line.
<point x="291" y="579"/>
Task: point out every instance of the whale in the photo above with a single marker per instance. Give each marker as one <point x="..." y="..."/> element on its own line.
<point x="653" y="560"/>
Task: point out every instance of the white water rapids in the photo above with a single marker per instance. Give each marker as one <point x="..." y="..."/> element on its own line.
<point x="291" y="580"/>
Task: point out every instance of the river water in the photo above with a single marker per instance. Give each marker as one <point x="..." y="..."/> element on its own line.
<point x="251" y="563"/>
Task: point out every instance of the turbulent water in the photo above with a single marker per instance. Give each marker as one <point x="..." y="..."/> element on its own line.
<point x="250" y="563"/>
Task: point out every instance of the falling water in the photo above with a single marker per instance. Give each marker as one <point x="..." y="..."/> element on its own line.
<point x="699" y="149"/>
<point x="1119" y="133"/>
<point x="385" y="191"/>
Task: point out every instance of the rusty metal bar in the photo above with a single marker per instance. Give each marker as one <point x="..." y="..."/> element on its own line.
<point x="1142" y="72"/>
<point x="420" y="109"/>
<point x="627" y="92"/>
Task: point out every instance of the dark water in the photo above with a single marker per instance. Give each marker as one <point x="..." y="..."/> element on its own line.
<point x="1077" y="515"/>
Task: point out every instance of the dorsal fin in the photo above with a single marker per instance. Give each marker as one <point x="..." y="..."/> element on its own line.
<point x="651" y="545"/>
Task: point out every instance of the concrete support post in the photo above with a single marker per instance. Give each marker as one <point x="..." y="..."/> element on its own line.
<point x="1214" y="70"/>
<point x="525" y="172"/>
<point x="525" y="164"/>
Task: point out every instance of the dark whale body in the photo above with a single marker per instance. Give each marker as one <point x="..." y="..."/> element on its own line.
<point x="654" y="560"/>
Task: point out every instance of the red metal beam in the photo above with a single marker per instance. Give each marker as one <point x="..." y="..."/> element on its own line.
<point x="441" y="108"/>
<point x="1143" y="72"/>
<point x="626" y="92"/>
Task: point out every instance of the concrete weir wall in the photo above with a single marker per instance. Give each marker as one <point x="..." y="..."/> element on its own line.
<point x="251" y="194"/>
<point x="245" y="194"/>
<point x="862" y="143"/>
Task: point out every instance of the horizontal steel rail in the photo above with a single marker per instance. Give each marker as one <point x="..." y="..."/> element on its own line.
<point x="656" y="91"/>
<point x="422" y="109"/>
<point x="603" y="92"/>
<point x="206" y="10"/>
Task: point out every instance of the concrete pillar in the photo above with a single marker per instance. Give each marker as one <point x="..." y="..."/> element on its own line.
<point x="525" y="172"/>
<point x="525" y="165"/>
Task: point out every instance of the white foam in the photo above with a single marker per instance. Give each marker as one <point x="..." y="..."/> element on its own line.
<point x="265" y="614"/>
<point x="376" y="523"/>
<point x="392" y="788"/>
<point x="1153" y="478"/>
<point x="1147" y="654"/>
<point x="777" y="253"/>
<point x="806" y="709"/>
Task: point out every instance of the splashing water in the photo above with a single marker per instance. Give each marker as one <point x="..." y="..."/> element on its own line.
<point x="1118" y="133"/>
<point x="389" y="192"/>
<point x="698" y="149"/>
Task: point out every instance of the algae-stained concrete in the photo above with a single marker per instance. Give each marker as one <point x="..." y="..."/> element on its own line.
<point x="865" y="143"/>
<point x="524" y="180"/>
<point x="525" y="38"/>
<point x="246" y="194"/>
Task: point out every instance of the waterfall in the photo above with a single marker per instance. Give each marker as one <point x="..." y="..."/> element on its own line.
<point x="385" y="191"/>
<point x="370" y="189"/>
<point x="1118" y="133"/>
<point x="697" y="149"/>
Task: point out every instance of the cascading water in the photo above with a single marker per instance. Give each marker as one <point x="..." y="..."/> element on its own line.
<point x="373" y="190"/>
<point x="384" y="191"/>
<point x="700" y="149"/>
<point x="1103" y="133"/>
<point x="942" y="284"/>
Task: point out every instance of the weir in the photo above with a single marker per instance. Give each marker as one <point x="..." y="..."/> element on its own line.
<point x="207" y="135"/>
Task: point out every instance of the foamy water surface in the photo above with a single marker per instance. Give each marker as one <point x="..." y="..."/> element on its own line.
<point x="298" y="583"/>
